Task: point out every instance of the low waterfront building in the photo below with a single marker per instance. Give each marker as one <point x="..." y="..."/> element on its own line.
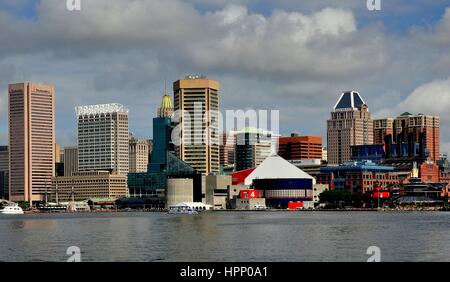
<point x="179" y="190"/>
<point x="216" y="188"/>
<point x="238" y="177"/>
<point x="358" y="176"/>
<point x="154" y="183"/>
<point x="417" y="192"/>
<point x="84" y="185"/>
<point x="97" y="203"/>
<point x="280" y="182"/>
<point x="249" y="204"/>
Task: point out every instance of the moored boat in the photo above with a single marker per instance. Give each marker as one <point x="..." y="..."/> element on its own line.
<point x="11" y="210"/>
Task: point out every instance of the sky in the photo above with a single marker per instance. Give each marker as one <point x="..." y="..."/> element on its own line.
<point x="288" y="55"/>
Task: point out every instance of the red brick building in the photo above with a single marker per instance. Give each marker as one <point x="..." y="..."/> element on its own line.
<point x="408" y="128"/>
<point x="361" y="177"/>
<point x="300" y="147"/>
<point x="429" y="172"/>
<point x="382" y="128"/>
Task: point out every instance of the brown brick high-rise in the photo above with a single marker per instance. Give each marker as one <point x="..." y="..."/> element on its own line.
<point x="350" y="124"/>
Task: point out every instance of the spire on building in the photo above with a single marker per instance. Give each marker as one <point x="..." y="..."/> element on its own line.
<point x="166" y="109"/>
<point x="349" y="100"/>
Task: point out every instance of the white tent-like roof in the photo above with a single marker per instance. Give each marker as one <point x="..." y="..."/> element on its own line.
<point x="275" y="167"/>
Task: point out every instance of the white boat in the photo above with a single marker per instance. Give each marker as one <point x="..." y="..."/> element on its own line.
<point x="182" y="210"/>
<point x="11" y="210"/>
<point x="189" y="208"/>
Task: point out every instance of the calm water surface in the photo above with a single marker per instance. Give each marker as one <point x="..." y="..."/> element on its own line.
<point x="227" y="236"/>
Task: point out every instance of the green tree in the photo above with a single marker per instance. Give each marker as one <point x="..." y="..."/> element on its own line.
<point x="342" y="199"/>
<point x="24" y="205"/>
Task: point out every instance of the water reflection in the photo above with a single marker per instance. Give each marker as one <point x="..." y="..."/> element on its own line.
<point x="226" y="236"/>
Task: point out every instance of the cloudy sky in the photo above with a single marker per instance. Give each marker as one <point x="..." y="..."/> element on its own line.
<point x="290" y="55"/>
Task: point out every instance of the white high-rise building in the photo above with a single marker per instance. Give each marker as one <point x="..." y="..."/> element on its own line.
<point x="103" y="138"/>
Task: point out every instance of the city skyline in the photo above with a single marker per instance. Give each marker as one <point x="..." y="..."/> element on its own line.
<point x="391" y="79"/>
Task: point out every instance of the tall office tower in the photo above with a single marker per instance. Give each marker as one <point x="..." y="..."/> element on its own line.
<point x="228" y="149"/>
<point x="138" y="154"/>
<point x="253" y="146"/>
<point x="103" y="138"/>
<point x="199" y="133"/>
<point x="350" y="124"/>
<point x="410" y="128"/>
<point x="162" y="129"/>
<point x="31" y="140"/>
<point x="70" y="160"/>
<point x="4" y="172"/>
<point x="382" y="128"/>
<point x="300" y="147"/>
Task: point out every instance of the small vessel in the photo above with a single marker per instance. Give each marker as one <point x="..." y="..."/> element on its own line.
<point x="11" y="210"/>
<point x="182" y="210"/>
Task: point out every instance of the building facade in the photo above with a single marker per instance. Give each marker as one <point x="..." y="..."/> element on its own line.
<point x="70" y="160"/>
<point x="280" y="183"/>
<point x="88" y="184"/>
<point x="162" y="130"/>
<point x="228" y="149"/>
<point x="325" y="154"/>
<point x="31" y="140"/>
<point x="179" y="190"/>
<point x="358" y="177"/>
<point x="410" y="129"/>
<point x="382" y="128"/>
<point x="4" y="172"/>
<point x="253" y="146"/>
<point x="216" y="190"/>
<point x="139" y="154"/>
<point x="414" y="127"/>
<point x="350" y="124"/>
<point x="300" y="147"/>
<point x="198" y="143"/>
<point x="103" y="142"/>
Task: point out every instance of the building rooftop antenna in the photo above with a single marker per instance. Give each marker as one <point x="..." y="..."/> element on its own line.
<point x="165" y="86"/>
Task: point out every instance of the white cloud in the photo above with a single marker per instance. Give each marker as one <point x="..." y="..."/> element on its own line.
<point x="432" y="98"/>
<point x="326" y="42"/>
<point x="296" y="57"/>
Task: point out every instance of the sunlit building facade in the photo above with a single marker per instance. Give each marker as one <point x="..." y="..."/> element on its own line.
<point x="103" y="138"/>
<point x="31" y="140"/>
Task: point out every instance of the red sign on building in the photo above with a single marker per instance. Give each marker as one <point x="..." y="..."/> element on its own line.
<point x="250" y="194"/>
<point x="381" y="195"/>
<point x="295" y="205"/>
